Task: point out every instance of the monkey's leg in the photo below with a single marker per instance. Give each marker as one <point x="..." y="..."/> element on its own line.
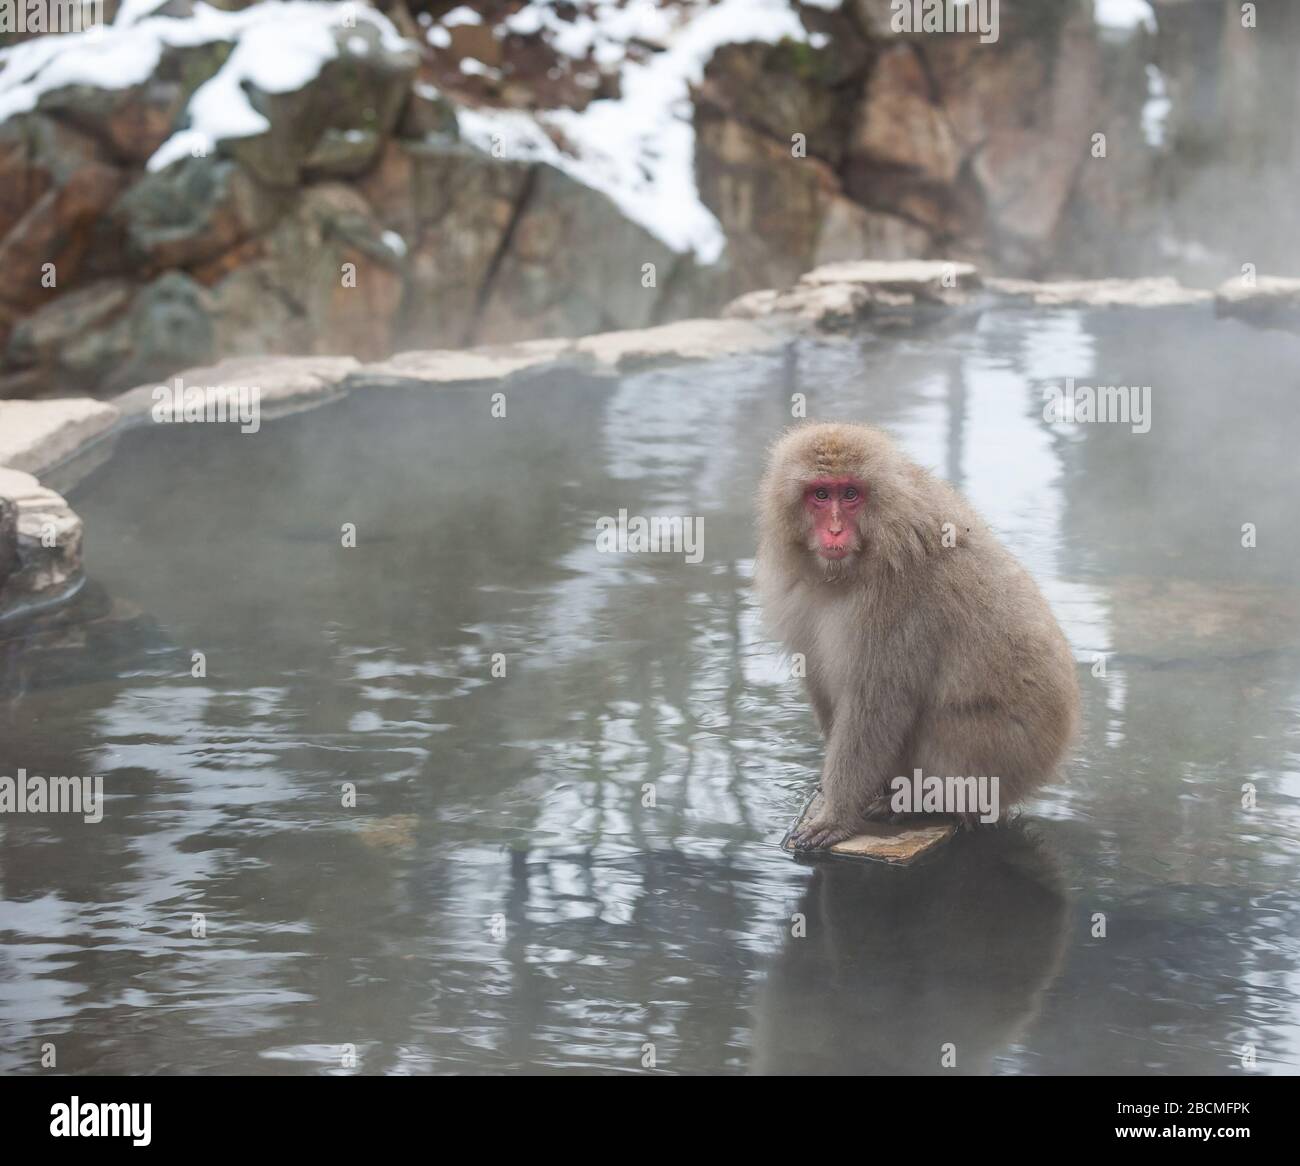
<point x="985" y="740"/>
<point x="861" y="755"/>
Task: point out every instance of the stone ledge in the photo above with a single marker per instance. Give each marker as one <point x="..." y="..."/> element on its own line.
<point x="1148" y="292"/>
<point x="705" y="339"/>
<point x="40" y="545"/>
<point x="602" y="352"/>
<point x="451" y="366"/>
<point x="927" y="278"/>
<point x="841" y="295"/>
<point x="837" y="296"/>
<point x="283" y="382"/>
<point x="831" y="307"/>
<point x="35" y="435"/>
<point x="1270" y="302"/>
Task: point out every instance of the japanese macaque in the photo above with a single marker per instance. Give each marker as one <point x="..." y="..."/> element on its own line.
<point x="926" y="646"/>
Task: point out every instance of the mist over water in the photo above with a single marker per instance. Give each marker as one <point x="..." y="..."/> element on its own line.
<point x="501" y="897"/>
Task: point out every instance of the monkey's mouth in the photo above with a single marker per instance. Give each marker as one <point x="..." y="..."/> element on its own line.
<point x="834" y="554"/>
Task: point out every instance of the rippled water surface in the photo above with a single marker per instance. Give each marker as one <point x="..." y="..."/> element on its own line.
<point x="503" y="896"/>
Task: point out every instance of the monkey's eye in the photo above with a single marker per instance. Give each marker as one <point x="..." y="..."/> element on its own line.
<point x="850" y="494"/>
<point x="822" y="494"/>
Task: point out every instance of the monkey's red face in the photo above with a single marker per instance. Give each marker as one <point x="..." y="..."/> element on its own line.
<point x="833" y="504"/>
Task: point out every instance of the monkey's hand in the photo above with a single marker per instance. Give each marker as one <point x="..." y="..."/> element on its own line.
<point x="822" y="832"/>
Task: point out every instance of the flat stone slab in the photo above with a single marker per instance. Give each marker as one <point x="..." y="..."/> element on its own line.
<point x="450" y="366"/>
<point x="837" y="296"/>
<point x="1149" y="292"/>
<point x="684" y="340"/>
<point x="35" y="435"/>
<point x="899" y="843"/>
<point x="920" y="277"/>
<point x="829" y="306"/>
<point x="281" y="381"/>
<point x="603" y="352"/>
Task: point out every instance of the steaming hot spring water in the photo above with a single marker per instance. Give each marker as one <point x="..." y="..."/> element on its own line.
<point x="572" y="766"/>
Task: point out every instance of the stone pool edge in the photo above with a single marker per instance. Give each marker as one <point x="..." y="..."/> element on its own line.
<point x="40" y="535"/>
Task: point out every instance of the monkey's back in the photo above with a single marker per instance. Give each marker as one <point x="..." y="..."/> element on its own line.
<point x="1005" y="670"/>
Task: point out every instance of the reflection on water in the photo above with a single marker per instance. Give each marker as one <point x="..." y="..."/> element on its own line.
<point x="900" y="968"/>
<point x="553" y="868"/>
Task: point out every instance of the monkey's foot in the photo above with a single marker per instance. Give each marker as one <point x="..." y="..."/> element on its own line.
<point x="822" y="832"/>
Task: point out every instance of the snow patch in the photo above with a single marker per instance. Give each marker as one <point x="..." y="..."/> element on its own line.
<point x="133" y="11"/>
<point x="461" y="15"/>
<point x="476" y="68"/>
<point x="1125" y="15"/>
<point x="639" y="148"/>
<point x="1155" y="113"/>
<point x="599" y="28"/>
<point x="279" y="46"/>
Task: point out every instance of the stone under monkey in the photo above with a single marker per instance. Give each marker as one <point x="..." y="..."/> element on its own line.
<point x="927" y="645"/>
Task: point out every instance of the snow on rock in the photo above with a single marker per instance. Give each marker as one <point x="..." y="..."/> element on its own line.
<point x="461" y="15"/>
<point x="133" y="11"/>
<point x="638" y="148"/>
<point x="1125" y="15"/>
<point x="279" y="46"/>
<point x="1155" y="113"/>
<point x="476" y="68"/>
<point x="602" y="29"/>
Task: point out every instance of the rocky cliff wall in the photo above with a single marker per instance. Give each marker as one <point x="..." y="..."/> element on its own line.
<point x="319" y="178"/>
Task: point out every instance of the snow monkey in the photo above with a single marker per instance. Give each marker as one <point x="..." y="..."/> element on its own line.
<point x="926" y="646"/>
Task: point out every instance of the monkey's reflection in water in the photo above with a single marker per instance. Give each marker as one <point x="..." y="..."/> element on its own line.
<point x="897" y="963"/>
